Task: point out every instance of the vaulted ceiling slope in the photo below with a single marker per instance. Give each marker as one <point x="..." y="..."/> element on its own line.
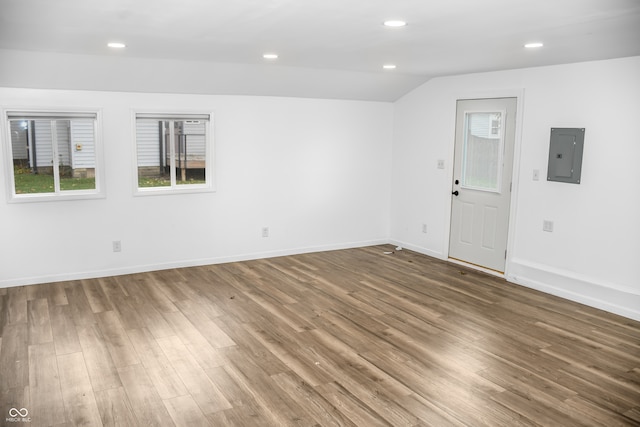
<point x="325" y="48"/>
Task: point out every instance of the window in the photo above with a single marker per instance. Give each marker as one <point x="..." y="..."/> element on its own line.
<point x="483" y="151"/>
<point x="173" y="152"/>
<point x="53" y="154"/>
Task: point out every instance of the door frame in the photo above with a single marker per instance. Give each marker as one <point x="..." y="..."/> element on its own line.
<point x="517" y="93"/>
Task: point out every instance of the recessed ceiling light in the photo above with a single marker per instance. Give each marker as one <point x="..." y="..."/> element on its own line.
<point x="389" y="66"/>
<point x="270" y="56"/>
<point x="116" y="45"/>
<point x="395" y="23"/>
<point x="533" y="45"/>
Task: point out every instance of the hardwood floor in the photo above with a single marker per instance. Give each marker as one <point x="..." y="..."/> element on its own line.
<point x="351" y="338"/>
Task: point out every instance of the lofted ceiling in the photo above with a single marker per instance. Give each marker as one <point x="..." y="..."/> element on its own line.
<point x="329" y="39"/>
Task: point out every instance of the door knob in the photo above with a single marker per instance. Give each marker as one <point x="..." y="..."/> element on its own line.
<point x="455" y="193"/>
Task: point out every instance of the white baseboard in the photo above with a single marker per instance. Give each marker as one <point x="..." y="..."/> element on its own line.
<point x="617" y="300"/>
<point x="604" y="296"/>
<point x="565" y="284"/>
<point x="419" y="249"/>
<point x="182" y="263"/>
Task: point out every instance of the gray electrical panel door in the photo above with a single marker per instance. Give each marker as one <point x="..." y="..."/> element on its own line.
<point x="565" y="155"/>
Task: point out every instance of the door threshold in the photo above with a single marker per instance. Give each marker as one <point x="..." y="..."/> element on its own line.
<point x="477" y="267"/>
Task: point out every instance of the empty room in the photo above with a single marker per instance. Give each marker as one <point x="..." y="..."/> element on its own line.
<point x="319" y="213"/>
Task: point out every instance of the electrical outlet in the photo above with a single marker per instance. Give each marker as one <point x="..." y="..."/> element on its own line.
<point x="547" y="226"/>
<point x="117" y="246"/>
<point x="265" y="231"/>
<point x="424" y="228"/>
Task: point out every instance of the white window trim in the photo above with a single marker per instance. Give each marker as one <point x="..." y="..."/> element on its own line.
<point x="210" y="172"/>
<point x="52" y="113"/>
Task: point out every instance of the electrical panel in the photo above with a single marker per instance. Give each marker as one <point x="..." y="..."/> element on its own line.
<point x="565" y="155"/>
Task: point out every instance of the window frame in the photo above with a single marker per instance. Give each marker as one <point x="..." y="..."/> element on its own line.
<point x="175" y="188"/>
<point x="501" y="147"/>
<point x="52" y="114"/>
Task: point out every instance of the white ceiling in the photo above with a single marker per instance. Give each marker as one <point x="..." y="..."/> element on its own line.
<point x="443" y="37"/>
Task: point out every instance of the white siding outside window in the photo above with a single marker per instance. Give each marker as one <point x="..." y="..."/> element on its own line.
<point x="174" y="153"/>
<point x="53" y="155"/>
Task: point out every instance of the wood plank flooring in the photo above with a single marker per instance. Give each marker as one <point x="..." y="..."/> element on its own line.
<point x="342" y="338"/>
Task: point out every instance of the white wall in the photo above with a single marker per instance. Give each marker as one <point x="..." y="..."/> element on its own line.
<point x="592" y="255"/>
<point x="319" y="174"/>
<point x="316" y="172"/>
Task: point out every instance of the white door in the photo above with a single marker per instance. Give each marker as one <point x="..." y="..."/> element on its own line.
<point x="481" y="191"/>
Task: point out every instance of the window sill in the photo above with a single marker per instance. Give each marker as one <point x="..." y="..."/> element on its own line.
<point x="52" y="197"/>
<point x="165" y="191"/>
